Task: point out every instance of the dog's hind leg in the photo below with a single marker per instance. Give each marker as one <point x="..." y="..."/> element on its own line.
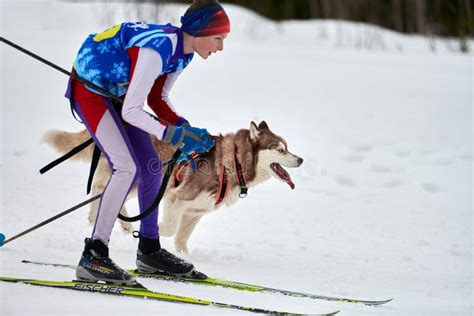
<point x="172" y="213"/>
<point x="186" y="227"/>
<point x="126" y="226"/>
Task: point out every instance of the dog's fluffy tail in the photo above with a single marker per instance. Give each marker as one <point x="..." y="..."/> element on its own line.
<point x="63" y="142"/>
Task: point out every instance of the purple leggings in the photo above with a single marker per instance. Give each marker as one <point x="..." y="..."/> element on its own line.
<point x="131" y="156"/>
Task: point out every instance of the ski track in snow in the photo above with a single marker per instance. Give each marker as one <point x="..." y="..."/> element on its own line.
<point x="382" y="206"/>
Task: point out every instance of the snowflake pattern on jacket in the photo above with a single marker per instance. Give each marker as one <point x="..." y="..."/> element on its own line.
<point x="103" y="58"/>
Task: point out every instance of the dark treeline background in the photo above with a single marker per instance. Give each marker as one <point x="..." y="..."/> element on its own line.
<point x="431" y="17"/>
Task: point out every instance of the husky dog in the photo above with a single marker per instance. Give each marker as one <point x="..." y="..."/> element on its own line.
<point x="239" y="160"/>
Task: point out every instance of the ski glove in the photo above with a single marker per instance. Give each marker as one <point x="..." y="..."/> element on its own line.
<point x="189" y="139"/>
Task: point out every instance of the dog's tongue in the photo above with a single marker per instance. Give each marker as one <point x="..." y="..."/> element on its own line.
<point x="282" y="174"/>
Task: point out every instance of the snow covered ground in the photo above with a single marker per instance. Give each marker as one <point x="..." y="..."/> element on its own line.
<point x="382" y="206"/>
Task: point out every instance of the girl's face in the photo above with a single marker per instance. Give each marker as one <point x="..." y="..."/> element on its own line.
<point x="207" y="45"/>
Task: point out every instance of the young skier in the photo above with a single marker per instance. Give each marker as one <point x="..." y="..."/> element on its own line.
<point x="141" y="62"/>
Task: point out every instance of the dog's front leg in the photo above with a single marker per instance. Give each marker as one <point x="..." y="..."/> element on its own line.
<point x="186" y="227"/>
<point x="171" y="218"/>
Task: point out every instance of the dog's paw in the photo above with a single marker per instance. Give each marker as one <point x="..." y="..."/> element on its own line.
<point x="91" y="218"/>
<point x="127" y="227"/>
<point x="181" y="248"/>
<point x="165" y="230"/>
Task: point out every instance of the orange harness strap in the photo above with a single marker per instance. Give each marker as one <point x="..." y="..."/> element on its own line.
<point x="223" y="178"/>
<point x="182" y="166"/>
<point x="223" y="187"/>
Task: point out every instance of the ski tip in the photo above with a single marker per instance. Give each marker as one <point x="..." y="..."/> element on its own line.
<point x="2" y="239"/>
<point x="387" y="301"/>
<point x="379" y="303"/>
<point x="327" y="314"/>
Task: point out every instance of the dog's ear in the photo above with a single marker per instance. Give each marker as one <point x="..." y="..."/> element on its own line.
<point x="254" y="132"/>
<point x="263" y="125"/>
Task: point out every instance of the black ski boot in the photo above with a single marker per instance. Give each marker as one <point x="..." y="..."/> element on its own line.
<point x="95" y="265"/>
<point x="151" y="258"/>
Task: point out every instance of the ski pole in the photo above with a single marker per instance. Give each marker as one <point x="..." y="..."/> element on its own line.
<point x="170" y="166"/>
<point x="49" y="220"/>
<point x="41" y="59"/>
<point x="64" y="71"/>
<point x="107" y="93"/>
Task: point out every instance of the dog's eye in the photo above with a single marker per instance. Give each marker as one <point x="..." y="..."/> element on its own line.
<point x="281" y="151"/>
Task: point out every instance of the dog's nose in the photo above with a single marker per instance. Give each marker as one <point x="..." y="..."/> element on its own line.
<point x="300" y="161"/>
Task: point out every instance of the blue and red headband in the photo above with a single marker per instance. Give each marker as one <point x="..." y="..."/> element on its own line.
<point x="208" y="20"/>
